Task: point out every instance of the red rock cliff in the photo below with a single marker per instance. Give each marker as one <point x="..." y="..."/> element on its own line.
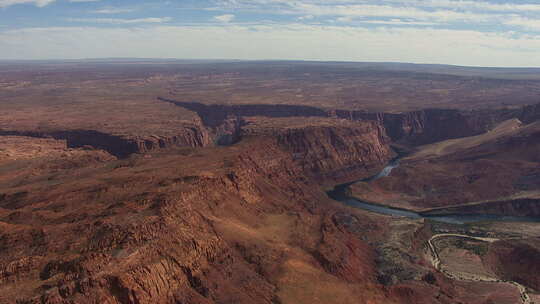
<point x="428" y="126"/>
<point x="338" y="153"/>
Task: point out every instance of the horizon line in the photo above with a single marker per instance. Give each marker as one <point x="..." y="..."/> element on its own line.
<point x="232" y="60"/>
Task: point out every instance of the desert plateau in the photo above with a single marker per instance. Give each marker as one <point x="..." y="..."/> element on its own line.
<point x="268" y="182"/>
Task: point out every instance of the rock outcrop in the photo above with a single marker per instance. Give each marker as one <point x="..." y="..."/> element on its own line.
<point x="338" y="153"/>
<point x="188" y="136"/>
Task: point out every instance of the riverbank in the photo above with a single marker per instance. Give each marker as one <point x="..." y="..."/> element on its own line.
<point x="343" y="194"/>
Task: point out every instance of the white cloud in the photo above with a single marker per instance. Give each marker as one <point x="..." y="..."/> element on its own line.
<point x="365" y="10"/>
<point x="296" y="41"/>
<point x="121" y="21"/>
<point x="476" y="5"/>
<point x="306" y="17"/>
<point x="427" y="11"/>
<point x="447" y="4"/>
<point x="396" y="22"/>
<point x="38" y="3"/>
<point x="113" y="10"/>
<point x="224" y="18"/>
<point x="527" y="23"/>
<point x="345" y="19"/>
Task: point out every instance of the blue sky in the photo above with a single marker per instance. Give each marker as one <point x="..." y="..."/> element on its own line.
<point x="463" y="32"/>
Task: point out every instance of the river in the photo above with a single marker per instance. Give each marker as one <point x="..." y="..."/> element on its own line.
<point x="339" y="193"/>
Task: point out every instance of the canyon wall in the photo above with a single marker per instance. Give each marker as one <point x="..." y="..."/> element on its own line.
<point x="214" y="115"/>
<point x="529" y="114"/>
<point x="416" y="127"/>
<point x="187" y="136"/>
<point x="122" y="146"/>
<point x="169" y="235"/>
<point x="428" y="126"/>
<point x="222" y="125"/>
<point x="433" y="125"/>
<point x="115" y="145"/>
<point x="248" y="224"/>
<point x="338" y="153"/>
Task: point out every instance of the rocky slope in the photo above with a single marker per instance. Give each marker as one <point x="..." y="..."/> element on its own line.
<point x="238" y="225"/>
<point x="516" y="261"/>
<point x="247" y="223"/>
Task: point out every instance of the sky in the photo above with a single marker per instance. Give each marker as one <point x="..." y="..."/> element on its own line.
<point x="460" y="32"/>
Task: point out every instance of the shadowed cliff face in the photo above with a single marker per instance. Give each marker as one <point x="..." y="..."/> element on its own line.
<point x="433" y="125"/>
<point x="214" y="115"/>
<point x="223" y="126"/>
<point x="428" y="126"/>
<point x="527" y="114"/>
<point x="121" y="146"/>
<point x="414" y="128"/>
<point x="115" y="145"/>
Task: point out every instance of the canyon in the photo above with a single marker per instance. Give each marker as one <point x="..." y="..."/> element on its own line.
<point x="138" y="185"/>
<point x="171" y="228"/>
